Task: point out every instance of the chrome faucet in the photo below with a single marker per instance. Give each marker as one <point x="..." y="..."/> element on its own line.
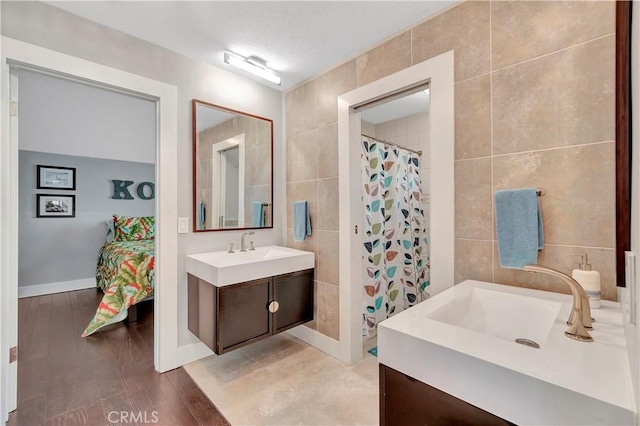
<point x="243" y="246"/>
<point x="580" y="319"/>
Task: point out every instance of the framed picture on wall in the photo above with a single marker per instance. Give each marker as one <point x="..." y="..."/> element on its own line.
<point x="55" y="205"/>
<point x="51" y="177"/>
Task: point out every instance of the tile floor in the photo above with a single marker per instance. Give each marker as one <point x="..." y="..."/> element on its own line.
<point x="283" y="381"/>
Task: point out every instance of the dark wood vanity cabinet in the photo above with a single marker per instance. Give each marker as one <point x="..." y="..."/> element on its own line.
<point x="228" y="317"/>
<point x="407" y="401"/>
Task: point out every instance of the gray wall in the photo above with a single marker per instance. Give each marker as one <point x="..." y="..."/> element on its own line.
<point x="66" y="117"/>
<point x="65" y="249"/>
<point x="47" y="26"/>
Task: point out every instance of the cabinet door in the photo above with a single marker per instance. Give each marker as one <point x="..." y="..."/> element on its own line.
<point x="243" y="316"/>
<point x="408" y="402"/>
<point x="294" y="294"/>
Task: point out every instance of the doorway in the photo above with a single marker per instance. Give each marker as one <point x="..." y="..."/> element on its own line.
<point x="15" y="55"/>
<point x="395" y="207"/>
<point x="438" y="74"/>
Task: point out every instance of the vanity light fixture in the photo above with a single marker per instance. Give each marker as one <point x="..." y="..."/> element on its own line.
<point x="254" y="65"/>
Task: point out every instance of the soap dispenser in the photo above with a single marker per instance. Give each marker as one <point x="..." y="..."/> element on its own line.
<point x="589" y="280"/>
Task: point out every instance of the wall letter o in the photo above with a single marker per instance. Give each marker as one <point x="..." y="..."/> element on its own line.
<point x="141" y="193"/>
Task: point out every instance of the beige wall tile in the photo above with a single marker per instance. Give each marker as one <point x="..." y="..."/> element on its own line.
<point x="309" y="244"/>
<point x="523" y="30"/>
<point x="263" y="132"/>
<point x="263" y="165"/>
<point x="328" y="205"/>
<point x="328" y="151"/>
<point x="250" y="166"/>
<point x="514" y="277"/>
<point x="203" y="175"/>
<point x="328" y="310"/>
<point x="328" y="258"/>
<point x="566" y="98"/>
<point x="301" y="110"/>
<point x="464" y="29"/>
<point x="248" y="126"/>
<point x="368" y="128"/>
<point x="203" y="150"/>
<point x="562" y="259"/>
<point x="381" y="61"/>
<point x="473" y="118"/>
<point x="303" y="191"/>
<point x="473" y="199"/>
<point x="331" y="84"/>
<point x="473" y="260"/>
<point x="302" y="157"/>
<point x="578" y="207"/>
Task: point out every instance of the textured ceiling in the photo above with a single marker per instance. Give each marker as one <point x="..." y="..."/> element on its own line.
<point x="298" y="39"/>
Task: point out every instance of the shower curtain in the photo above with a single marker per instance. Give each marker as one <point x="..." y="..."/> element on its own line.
<point x="396" y="273"/>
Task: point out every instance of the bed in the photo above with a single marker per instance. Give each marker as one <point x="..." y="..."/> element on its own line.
<point x="125" y="273"/>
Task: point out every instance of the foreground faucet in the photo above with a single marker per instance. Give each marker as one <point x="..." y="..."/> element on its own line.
<point x="243" y="246"/>
<point x="580" y="319"/>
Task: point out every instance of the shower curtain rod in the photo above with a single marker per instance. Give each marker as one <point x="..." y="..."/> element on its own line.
<point x="392" y="144"/>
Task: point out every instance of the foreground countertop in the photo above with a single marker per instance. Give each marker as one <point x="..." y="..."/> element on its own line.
<point x="563" y="382"/>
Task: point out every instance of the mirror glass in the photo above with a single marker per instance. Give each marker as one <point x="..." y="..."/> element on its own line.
<point x="233" y="175"/>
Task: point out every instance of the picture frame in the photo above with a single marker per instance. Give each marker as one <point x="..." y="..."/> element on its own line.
<point x="54" y="177"/>
<point x="56" y="205"/>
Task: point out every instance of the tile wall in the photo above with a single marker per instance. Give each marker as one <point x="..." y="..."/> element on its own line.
<point x="534" y="105"/>
<point x="257" y="175"/>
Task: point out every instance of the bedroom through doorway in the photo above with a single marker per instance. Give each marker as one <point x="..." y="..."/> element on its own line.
<point x="86" y="241"/>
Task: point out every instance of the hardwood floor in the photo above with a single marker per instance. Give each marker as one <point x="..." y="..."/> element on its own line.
<point x="106" y="378"/>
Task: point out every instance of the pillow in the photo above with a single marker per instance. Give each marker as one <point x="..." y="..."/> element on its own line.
<point x="128" y="228"/>
<point x="110" y="230"/>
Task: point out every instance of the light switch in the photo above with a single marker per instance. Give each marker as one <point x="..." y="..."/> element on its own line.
<point x="183" y="225"/>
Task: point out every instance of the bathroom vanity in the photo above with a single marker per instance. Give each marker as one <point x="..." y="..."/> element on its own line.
<point x="239" y="298"/>
<point x="454" y="359"/>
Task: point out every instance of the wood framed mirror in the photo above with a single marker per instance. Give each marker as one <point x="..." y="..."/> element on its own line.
<point x="232" y="169"/>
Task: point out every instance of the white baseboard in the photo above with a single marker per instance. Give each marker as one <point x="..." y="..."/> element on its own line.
<point x="52" y="288"/>
<point x="317" y="339"/>
<point x="193" y="352"/>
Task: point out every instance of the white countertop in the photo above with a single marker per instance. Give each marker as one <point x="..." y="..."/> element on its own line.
<point x="221" y="268"/>
<point x="563" y="382"/>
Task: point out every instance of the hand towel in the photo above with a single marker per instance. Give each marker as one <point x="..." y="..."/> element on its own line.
<point x="301" y="221"/>
<point x="519" y="227"/>
<point x="202" y="217"/>
<point x="257" y="214"/>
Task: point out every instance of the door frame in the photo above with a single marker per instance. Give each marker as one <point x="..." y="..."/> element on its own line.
<point x="19" y="54"/>
<point x="438" y="72"/>
<point x="217" y="176"/>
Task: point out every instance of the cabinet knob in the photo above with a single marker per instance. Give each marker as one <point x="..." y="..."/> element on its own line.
<point x="273" y="306"/>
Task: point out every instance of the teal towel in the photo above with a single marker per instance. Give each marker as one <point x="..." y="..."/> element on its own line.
<point x="301" y="221"/>
<point x="203" y="214"/>
<point x="257" y="213"/>
<point x="519" y="227"/>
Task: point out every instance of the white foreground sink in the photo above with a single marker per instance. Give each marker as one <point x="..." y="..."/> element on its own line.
<point x="221" y="268"/>
<point x="499" y="314"/>
<point x="462" y="341"/>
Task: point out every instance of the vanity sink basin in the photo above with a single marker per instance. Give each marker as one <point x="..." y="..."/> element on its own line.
<point x="221" y="268"/>
<point x="503" y="315"/>
<point x="462" y="342"/>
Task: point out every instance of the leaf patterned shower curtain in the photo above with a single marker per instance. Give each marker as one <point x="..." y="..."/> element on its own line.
<point x="396" y="274"/>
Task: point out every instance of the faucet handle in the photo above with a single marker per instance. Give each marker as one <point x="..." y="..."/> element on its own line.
<point x="231" y="248"/>
<point x="252" y="247"/>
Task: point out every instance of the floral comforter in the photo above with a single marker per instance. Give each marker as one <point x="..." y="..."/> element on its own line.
<point x="125" y="273"/>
